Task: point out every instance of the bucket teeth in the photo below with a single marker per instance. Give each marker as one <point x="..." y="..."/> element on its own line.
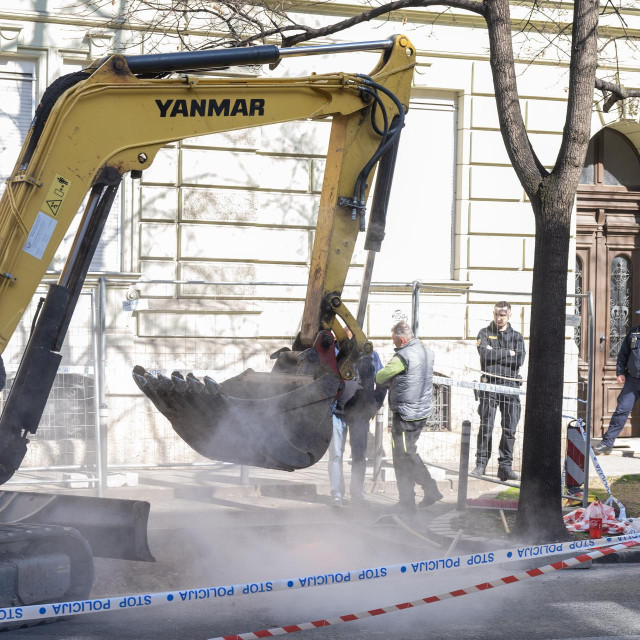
<point x="179" y="382"/>
<point x="141" y="381"/>
<point x="212" y="386"/>
<point x="152" y="381"/>
<point x="195" y="386"/>
<point x="165" y="383"/>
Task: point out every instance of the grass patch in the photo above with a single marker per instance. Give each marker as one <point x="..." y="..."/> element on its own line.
<point x="512" y="493"/>
<point x="626" y="489"/>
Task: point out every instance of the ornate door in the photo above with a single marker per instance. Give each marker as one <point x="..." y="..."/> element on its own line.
<point x="608" y="263"/>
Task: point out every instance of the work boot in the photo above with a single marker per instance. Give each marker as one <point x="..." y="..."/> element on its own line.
<point x="479" y="470"/>
<point x="507" y="473"/>
<point x="602" y="449"/>
<point x="430" y="498"/>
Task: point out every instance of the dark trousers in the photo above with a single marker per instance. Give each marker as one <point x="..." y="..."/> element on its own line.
<point x="510" y="410"/>
<point x="409" y="467"/>
<point x="627" y="398"/>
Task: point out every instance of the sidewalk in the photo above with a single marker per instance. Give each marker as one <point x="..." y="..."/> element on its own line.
<point x="178" y="495"/>
<point x="624" y="459"/>
<point x="229" y="481"/>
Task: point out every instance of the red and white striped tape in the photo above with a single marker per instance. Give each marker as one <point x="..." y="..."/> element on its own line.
<point x="484" y="586"/>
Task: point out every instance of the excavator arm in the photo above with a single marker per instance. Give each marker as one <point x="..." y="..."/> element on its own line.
<point x="94" y="126"/>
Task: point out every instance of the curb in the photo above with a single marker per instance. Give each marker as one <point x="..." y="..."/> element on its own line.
<point x="255" y="489"/>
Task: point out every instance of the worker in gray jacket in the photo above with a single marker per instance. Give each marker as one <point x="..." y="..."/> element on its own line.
<point x="409" y="376"/>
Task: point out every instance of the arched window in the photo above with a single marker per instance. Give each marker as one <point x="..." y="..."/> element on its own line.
<point x="611" y="161"/>
<point x="619" y="303"/>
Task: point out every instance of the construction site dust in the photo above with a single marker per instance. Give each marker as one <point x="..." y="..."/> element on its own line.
<point x="260" y="540"/>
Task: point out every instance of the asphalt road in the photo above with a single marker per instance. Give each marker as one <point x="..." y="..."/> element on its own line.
<point x="203" y="547"/>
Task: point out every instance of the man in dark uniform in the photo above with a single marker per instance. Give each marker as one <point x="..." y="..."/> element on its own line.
<point x="409" y="375"/>
<point x="502" y="352"/>
<point x="628" y="374"/>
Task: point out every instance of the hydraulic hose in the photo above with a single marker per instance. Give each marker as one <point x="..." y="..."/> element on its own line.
<point x="388" y="135"/>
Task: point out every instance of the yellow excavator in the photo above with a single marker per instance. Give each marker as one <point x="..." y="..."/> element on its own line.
<point x="91" y="128"/>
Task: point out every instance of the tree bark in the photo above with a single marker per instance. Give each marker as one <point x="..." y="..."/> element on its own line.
<point x="539" y="516"/>
<point x="539" y="511"/>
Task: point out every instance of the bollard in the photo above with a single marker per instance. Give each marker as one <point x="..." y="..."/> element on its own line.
<point x="244" y="474"/>
<point x="463" y="476"/>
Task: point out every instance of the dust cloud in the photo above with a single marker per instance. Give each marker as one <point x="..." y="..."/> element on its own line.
<point x="201" y="540"/>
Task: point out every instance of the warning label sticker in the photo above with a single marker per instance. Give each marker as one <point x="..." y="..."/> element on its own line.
<point x="39" y="236"/>
<point x="56" y="195"/>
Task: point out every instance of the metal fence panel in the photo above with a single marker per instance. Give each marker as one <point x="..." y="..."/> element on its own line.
<point x="66" y="436"/>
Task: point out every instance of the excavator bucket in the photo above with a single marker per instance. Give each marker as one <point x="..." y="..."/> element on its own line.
<point x="277" y="420"/>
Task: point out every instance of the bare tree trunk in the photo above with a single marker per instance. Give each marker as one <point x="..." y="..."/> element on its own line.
<point x="552" y="196"/>
<point x="539" y="512"/>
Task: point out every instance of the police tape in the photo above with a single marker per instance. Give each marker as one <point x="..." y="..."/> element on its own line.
<point x="424" y="567"/>
<point x="485" y="386"/>
<point x="483" y="586"/>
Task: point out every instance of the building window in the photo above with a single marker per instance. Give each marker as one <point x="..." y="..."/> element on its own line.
<point x="611" y="161"/>
<point x="440" y="419"/>
<point x="420" y="220"/>
<point x="17" y="105"/>
<point x="619" y="303"/>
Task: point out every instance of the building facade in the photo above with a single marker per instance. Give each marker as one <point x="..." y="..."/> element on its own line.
<point x="239" y="208"/>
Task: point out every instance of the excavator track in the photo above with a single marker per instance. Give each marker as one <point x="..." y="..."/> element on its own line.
<point x="40" y="564"/>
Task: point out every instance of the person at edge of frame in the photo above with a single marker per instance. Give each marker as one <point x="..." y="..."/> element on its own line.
<point x="628" y="375"/>
<point x="502" y="352"/>
<point x="409" y="376"/>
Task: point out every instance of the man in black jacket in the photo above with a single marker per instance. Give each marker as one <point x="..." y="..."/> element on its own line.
<point x="627" y="374"/>
<point x="502" y="353"/>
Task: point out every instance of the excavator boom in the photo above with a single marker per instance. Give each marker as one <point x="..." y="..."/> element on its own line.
<point x="92" y="127"/>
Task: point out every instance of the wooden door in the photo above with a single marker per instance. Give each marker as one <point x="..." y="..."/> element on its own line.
<point x="608" y="264"/>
